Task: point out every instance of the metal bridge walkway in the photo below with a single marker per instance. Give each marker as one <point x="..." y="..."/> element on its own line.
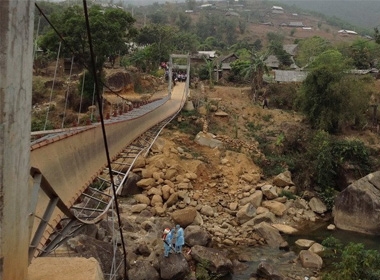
<point x="66" y="164"/>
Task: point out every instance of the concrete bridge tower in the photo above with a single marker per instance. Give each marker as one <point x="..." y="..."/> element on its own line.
<point x="16" y="49"/>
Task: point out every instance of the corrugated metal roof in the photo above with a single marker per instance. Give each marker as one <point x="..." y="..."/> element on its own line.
<point x="289" y="76"/>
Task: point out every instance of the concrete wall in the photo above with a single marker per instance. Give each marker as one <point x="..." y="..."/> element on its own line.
<point x="16" y="48"/>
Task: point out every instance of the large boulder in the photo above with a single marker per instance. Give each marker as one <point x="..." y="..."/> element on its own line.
<point x="310" y="260"/>
<point x="266" y="270"/>
<point x="143" y="270"/>
<point x="357" y="208"/>
<point x="184" y="217"/>
<point x="196" y="235"/>
<point x="271" y="235"/>
<point x="87" y="247"/>
<point x="130" y="186"/>
<point x="174" y="267"/>
<point x="214" y="259"/>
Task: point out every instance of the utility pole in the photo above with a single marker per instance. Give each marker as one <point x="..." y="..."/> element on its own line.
<point x="16" y="64"/>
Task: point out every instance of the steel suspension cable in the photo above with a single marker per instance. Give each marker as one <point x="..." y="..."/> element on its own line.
<point x="81" y="95"/>
<point x="99" y="100"/>
<point x="67" y="92"/>
<point x="52" y="86"/>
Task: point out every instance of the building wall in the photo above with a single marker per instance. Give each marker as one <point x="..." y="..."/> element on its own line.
<point x="16" y="49"/>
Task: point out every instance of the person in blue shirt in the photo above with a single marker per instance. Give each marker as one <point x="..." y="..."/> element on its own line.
<point x="167" y="238"/>
<point x="180" y="239"/>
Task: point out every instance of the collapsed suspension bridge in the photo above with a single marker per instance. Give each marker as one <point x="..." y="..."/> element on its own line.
<point x="67" y="164"/>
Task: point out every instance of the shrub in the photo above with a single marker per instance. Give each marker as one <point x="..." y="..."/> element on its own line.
<point x="353" y="262"/>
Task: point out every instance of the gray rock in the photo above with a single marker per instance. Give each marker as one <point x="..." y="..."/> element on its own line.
<point x="88" y="247"/>
<point x="269" y="191"/>
<point x="143" y="270"/>
<point x="196" y="235"/>
<point x="214" y="260"/>
<point x="357" y="208"/>
<point x="184" y="217"/>
<point x="130" y="186"/>
<point x="310" y="260"/>
<point x="142" y="199"/>
<point x="245" y="213"/>
<point x="137" y="208"/>
<point x="267" y="271"/>
<point x="317" y="205"/>
<point x="283" y="179"/>
<point x="207" y="210"/>
<point x="208" y="139"/>
<point x="174" y="267"/>
<point x="275" y="207"/>
<point x="271" y="235"/>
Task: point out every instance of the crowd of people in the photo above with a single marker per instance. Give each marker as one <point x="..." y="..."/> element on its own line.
<point x="177" y="76"/>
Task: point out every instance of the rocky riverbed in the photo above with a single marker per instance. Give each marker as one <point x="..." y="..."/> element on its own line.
<point x="234" y="219"/>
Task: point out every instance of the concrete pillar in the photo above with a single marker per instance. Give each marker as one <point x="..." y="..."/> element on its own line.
<point x="16" y="57"/>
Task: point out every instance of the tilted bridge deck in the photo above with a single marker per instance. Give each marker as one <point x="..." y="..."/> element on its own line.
<point x="65" y="165"/>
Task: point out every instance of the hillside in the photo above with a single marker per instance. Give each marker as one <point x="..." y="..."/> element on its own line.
<point x="361" y="13"/>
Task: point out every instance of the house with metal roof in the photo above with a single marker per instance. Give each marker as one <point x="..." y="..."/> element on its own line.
<point x="277" y="10"/>
<point x="296" y="24"/>
<point x="287" y="76"/>
<point x="223" y="65"/>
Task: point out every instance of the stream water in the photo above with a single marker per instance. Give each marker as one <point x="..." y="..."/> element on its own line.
<point x="284" y="261"/>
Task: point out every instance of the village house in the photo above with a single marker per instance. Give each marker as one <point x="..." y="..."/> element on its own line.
<point x="296" y="24"/>
<point x="345" y="32"/>
<point x="223" y="66"/>
<point x="277" y="10"/>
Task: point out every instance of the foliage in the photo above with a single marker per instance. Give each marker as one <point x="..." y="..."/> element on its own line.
<point x="277" y="49"/>
<point x="330" y="98"/>
<point x="354" y="262"/>
<point x="186" y="123"/>
<point x="39" y="90"/>
<point x="362" y="52"/>
<point x="88" y="97"/>
<point x="110" y="30"/>
<point x="327" y="157"/>
<point x="252" y="70"/>
<point x="38" y="124"/>
<point x="210" y="71"/>
<point x="202" y="272"/>
<point x="288" y="194"/>
<point x="309" y="49"/>
<point x="283" y="96"/>
<point x="221" y="28"/>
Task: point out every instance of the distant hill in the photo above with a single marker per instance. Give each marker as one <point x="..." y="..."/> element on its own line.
<point x="363" y="13"/>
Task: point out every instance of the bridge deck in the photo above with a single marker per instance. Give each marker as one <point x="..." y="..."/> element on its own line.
<point x="71" y="162"/>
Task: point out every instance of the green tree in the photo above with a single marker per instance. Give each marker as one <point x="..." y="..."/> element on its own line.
<point x="330" y="98"/>
<point x="160" y="39"/>
<point x="191" y="4"/>
<point x="363" y="53"/>
<point x="159" y="17"/>
<point x="210" y="71"/>
<point x="309" y="49"/>
<point x="183" y="22"/>
<point x="110" y="30"/>
<point x="252" y="70"/>
<point x="277" y="49"/>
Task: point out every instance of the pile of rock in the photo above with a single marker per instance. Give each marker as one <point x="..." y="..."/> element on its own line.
<point x="214" y="213"/>
<point x="222" y="208"/>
